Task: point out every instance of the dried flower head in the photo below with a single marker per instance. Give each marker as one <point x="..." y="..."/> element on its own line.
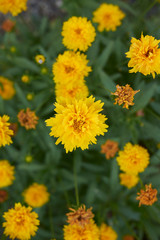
<point x="27" y="119"/>
<point x="110" y="148"/>
<point x="80" y="216"/>
<point x="124" y="94"/>
<point x="147" y="196"/>
<point x="3" y="195"/>
<point x="108" y="16"/>
<point x="128" y="237"/>
<point x="144" y="55"/>
<point x="107" y="233"/>
<point x="7" y="90"/>
<point x="14" y="128"/>
<point x="5" y="131"/>
<point x="40" y="59"/>
<point x="8" y="25"/>
<point x="13" y="6"/>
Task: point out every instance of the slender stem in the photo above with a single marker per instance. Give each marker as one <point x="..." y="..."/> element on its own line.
<point x="75" y="182"/>
<point x="142" y="185"/>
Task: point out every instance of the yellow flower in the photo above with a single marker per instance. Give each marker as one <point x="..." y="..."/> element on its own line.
<point x="78" y="33"/>
<point x="29" y="96"/>
<point x="70" y="67"/>
<point x="5" y="131"/>
<point x="144" y="55"/>
<point x="28" y="158"/>
<point x="40" y="59"/>
<point x="107" y="233"/>
<point x="77" y="232"/>
<point x="133" y="159"/>
<point x="77" y="123"/>
<point x="128" y="180"/>
<point x="20" y="223"/>
<point x="7" y="90"/>
<point x="36" y="195"/>
<point x="77" y="90"/>
<point x="108" y="16"/>
<point x="13" y="6"/>
<point x="6" y="174"/>
<point x="25" y="78"/>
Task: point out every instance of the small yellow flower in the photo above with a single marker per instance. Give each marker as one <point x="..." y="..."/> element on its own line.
<point x="27" y="119"/>
<point x="133" y="159"/>
<point x="108" y="16"/>
<point x="144" y="55"/>
<point x="20" y="222"/>
<point x="28" y="158"/>
<point x="70" y="67"/>
<point x="44" y="70"/>
<point x="77" y="123"/>
<point x="7" y="90"/>
<point x="25" y="78"/>
<point x="124" y="94"/>
<point x="147" y="196"/>
<point x="36" y="195"/>
<point x="77" y="232"/>
<point x="40" y="59"/>
<point x="107" y="233"/>
<point x="5" y="131"/>
<point x="13" y="6"/>
<point x="29" y="96"/>
<point x="128" y="180"/>
<point x="13" y="49"/>
<point x="6" y="174"/>
<point x="78" y="33"/>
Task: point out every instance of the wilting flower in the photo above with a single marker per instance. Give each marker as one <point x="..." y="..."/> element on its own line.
<point x="5" y="131"/>
<point x="77" y="232"/>
<point x="108" y="16"/>
<point x="3" y="195"/>
<point x="27" y="119"/>
<point x="81" y="216"/>
<point x="144" y="55"/>
<point x="128" y="180"/>
<point x="107" y="233"/>
<point x="25" y="78"/>
<point x="8" y="25"/>
<point x="128" y="237"/>
<point x="78" y="33"/>
<point x="124" y="94"/>
<point x="147" y="196"/>
<point x="110" y="148"/>
<point x="13" y="6"/>
<point x="14" y="128"/>
<point x="7" y="90"/>
<point x="21" y="222"/>
<point x="6" y="174"/>
<point x="36" y="195"/>
<point x="70" y="67"/>
<point x="133" y="159"/>
<point x="77" y="123"/>
<point x="40" y="59"/>
<point x="76" y="90"/>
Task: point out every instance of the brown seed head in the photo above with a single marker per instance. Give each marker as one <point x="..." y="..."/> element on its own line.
<point x="147" y="196"/>
<point x="28" y="119"/>
<point x="110" y="148"/>
<point x="3" y="195"/>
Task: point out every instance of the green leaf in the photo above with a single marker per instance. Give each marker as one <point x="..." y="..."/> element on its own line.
<point x="103" y="58"/>
<point x="26" y="64"/>
<point x="107" y="81"/>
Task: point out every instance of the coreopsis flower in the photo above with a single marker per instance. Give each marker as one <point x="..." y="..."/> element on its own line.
<point x="3" y="195"/>
<point x="133" y="159"/>
<point x="6" y="174"/>
<point x="128" y="180"/>
<point x="36" y="195"/>
<point x="5" y="131"/>
<point x="144" y="55"/>
<point x="78" y="33"/>
<point x="7" y="90"/>
<point x="77" y="123"/>
<point x="8" y="25"/>
<point x="77" y="232"/>
<point x="70" y="67"/>
<point x="40" y="59"/>
<point x="76" y="90"/>
<point x="25" y="78"/>
<point x="128" y="237"/>
<point x="27" y="119"/>
<point x="110" y="148"/>
<point x="107" y="233"/>
<point x="81" y="216"/>
<point x="147" y="196"/>
<point x="20" y="222"/>
<point x="108" y="16"/>
<point x="14" y="128"/>
<point x="124" y="95"/>
<point x="13" y="6"/>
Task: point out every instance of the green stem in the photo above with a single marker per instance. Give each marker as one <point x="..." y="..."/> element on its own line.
<point x="51" y="220"/>
<point x="142" y="185"/>
<point x="75" y="181"/>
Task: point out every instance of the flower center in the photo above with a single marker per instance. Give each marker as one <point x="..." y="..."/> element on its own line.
<point x="107" y="17"/>
<point x="149" y="53"/>
<point x="68" y="69"/>
<point x="78" y="31"/>
<point x="78" y="124"/>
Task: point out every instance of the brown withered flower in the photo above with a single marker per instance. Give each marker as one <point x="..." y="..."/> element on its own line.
<point x="110" y="148"/>
<point x="128" y="237"/>
<point x="14" y="128"/>
<point x="27" y="119"/>
<point x="147" y="196"/>
<point x="124" y="95"/>
<point x="80" y="216"/>
<point x="3" y="195"/>
<point x="8" y="25"/>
